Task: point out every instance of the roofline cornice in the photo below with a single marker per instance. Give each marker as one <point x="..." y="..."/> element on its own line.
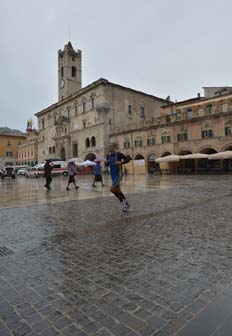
<point x="101" y="81"/>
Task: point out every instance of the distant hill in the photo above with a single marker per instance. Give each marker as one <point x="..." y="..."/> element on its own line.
<point x="7" y="130"/>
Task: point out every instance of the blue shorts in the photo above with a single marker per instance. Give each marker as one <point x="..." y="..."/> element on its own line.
<point x="116" y="180"/>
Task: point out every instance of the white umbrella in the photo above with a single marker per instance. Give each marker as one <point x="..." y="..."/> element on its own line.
<point x="221" y="155"/>
<point x="168" y="158"/>
<point x="100" y="159"/>
<point x="87" y="163"/>
<point x="76" y="160"/>
<point x="194" y="156"/>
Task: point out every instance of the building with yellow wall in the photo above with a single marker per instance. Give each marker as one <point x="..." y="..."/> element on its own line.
<point x="197" y="125"/>
<point x="9" y="141"/>
<point x="28" y="151"/>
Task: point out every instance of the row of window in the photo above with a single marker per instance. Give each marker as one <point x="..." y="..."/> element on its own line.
<point x="139" y="143"/>
<point x="73" y="71"/>
<point x="208" y="133"/>
<point x="25" y="154"/>
<point x="141" y="111"/>
<point x="52" y="150"/>
<point x="208" y="110"/>
<point x="92" y="106"/>
<point x="84" y="109"/>
<point x="184" y="136"/>
<point x="90" y="142"/>
<point x="26" y="163"/>
<point x="9" y="143"/>
<point x="84" y="105"/>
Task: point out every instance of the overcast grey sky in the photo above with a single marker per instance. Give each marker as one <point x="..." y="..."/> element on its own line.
<point x="162" y="47"/>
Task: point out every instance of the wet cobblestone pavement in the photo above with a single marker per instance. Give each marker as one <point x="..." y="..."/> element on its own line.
<point x="81" y="267"/>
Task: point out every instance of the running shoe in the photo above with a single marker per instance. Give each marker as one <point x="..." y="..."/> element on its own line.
<point x="125" y="206"/>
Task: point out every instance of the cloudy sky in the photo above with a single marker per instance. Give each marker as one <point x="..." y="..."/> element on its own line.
<point x="162" y="47"/>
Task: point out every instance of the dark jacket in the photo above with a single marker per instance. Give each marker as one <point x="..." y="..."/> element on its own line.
<point x="47" y="169"/>
<point x="118" y="157"/>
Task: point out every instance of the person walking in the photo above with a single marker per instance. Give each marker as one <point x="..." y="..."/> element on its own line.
<point x="71" y="174"/>
<point x="115" y="160"/>
<point x="48" y="174"/>
<point x="97" y="170"/>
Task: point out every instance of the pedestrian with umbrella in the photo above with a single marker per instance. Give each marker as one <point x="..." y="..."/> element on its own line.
<point x="97" y="170"/>
<point x="48" y="174"/>
<point x="71" y="174"/>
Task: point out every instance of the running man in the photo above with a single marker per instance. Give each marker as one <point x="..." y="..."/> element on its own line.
<point x="115" y="160"/>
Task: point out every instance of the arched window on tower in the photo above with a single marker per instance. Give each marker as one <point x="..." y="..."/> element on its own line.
<point x="74" y="71"/>
<point x="62" y="71"/>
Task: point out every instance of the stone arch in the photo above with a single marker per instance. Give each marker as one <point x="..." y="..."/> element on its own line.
<point x="90" y="157"/>
<point x="139" y="157"/>
<point x="227" y="164"/>
<point x="185" y="166"/>
<point x="227" y="147"/>
<point x="166" y="154"/>
<point x="208" y="150"/>
<point x="208" y="166"/>
<point x="184" y="152"/>
<point x="152" y="166"/>
<point x="151" y="157"/>
<point x="228" y="123"/>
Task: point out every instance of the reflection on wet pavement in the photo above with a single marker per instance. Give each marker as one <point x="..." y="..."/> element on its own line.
<point x="79" y="266"/>
<point x="25" y="192"/>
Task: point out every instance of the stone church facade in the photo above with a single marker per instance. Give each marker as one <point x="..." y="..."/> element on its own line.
<point x="85" y="120"/>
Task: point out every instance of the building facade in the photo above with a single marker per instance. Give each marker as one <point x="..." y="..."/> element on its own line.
<point x="28" y="151"/>
<point x="9" y="141"/>
<point x="197" y="125"/>
<point x="146" y="127"/>
<point x="81" y="123"/>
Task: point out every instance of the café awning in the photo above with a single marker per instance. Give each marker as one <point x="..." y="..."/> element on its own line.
<point x="168" y="158"/>
<point x="220" y="155"/>
<point x="194" y="156"/>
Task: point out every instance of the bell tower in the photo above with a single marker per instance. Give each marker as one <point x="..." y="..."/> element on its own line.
<point x="69" y="71"/>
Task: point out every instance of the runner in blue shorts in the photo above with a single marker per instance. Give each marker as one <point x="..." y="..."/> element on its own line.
<point x="115" y="160"/>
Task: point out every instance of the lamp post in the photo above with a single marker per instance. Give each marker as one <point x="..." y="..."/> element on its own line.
<point x="132" y="152"/>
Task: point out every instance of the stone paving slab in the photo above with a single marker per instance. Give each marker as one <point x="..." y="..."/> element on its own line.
<point x="214" y="320"/>
<point x="84" y="268"/>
